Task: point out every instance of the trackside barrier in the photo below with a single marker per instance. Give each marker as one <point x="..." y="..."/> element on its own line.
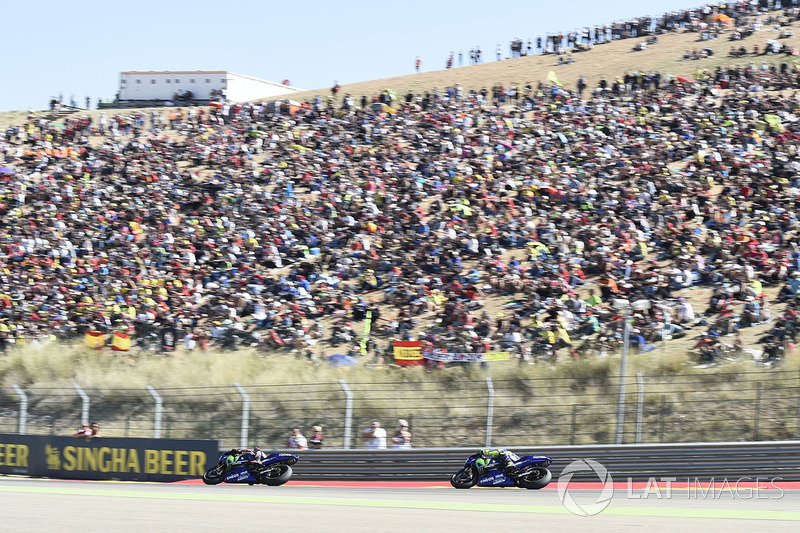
<point x="638" y="462"/>
<point x="106" y="458"/>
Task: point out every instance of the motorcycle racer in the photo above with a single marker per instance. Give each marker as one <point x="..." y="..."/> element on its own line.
<point x="506" y="458"/>
<point x="259" y="454"/>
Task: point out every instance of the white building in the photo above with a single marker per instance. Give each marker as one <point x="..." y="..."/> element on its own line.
<point x="203" y="84"/>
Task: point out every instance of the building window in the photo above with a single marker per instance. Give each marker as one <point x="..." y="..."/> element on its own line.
<point x="123" y="82"/>
<point x="191" y="80"/>
<point x="152" y="81"/>
<point x="167" y="80"/>
<point x="177" y="80"/>
<point x="208" y="80"/>
<point x="138" y="82"/>
<point x="222" y="80"/>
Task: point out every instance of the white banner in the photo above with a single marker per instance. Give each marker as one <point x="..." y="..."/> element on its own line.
<point x="460" y="357"/>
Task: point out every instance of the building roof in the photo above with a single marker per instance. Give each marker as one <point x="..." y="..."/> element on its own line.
<point x="202" y="72"/>
<point x="174" y="72"/>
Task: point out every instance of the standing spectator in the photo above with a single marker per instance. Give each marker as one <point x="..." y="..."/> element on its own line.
<point x="417" y="63"/>
<point x="84" y="432"/>
<point x="95" y="431"/>
<point x="374" y="436"/>
<point x="297" y="441"/>
<point x="402" y="436"/>
<point x="499" y="52"/>
<point x="315" y="440"/>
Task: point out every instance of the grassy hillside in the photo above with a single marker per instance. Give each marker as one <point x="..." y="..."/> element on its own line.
<point x="609" y="60"/>
<point x="571" y="402"/>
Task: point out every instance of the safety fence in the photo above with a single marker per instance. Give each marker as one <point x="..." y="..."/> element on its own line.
<point x="763" y="460"/>
<point x="449" y="409"/>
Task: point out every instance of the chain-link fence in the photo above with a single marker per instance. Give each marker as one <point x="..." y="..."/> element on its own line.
<point x="443" y="411"/>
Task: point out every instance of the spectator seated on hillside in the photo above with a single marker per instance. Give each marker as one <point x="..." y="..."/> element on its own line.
<point x="791" y="289"/>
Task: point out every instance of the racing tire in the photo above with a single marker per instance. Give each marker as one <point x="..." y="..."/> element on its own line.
<point x="538" y="478"/>
<point x="214" y="476"/>
<point x="465" y="478"/>
<point x="277" y="475"/>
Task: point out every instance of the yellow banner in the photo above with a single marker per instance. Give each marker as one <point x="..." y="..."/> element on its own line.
<point x="94" y="340"/>
<point x="407" y="351"/>
<point x="496" y="356"/>
<point x="121" y="342"/>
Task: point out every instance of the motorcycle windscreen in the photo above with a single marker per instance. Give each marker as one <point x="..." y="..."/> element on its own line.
<point x="240" y="475"/>
<point x="495" y="479"/>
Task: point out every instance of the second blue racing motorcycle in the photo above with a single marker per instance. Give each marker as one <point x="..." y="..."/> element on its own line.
<point x="241" y="466"/>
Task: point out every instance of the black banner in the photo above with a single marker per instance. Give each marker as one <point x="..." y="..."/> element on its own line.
<point x="107" y="458"/>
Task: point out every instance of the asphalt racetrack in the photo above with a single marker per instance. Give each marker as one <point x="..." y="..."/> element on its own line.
<point x="33" y="505"/>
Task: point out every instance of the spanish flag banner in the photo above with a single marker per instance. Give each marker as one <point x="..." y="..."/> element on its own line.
<point x="94" y="340"/>
<point x="408" y="353"/>
<point x="121" y="342"/>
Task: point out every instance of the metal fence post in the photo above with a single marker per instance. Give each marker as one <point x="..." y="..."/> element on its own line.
<point x="245" y="415"/>
<point x="159" y="410"/>
<point x="574" y="420"/>
<point x="489" y="411"/>
<point x="798" y="409"/>
<point x="348" y="413"/>
<point x="756" y="413"/>
<point x="626" y="342"/>
<point x="639" y="406"/>
<point x="23" y="408"/>
<point x="85" y="409"/>
<point x="662" y="412"/>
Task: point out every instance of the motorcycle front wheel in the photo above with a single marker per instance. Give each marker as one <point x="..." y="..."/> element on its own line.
<point x="277" y="475"/>
<point x="538" y="478"/>
<point x="465" y="478"/>
<point x="214" y="476"/>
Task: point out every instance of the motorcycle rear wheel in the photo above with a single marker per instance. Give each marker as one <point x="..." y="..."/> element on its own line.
<point x="214" y="476"/>
<point x="538" y="478"/>
<point x="277" y="475"/>
<point x="465" y="478"/>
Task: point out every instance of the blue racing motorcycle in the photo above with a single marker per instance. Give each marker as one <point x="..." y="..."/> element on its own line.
<point x="528" y="472"/>
<point x="241" y="466"/>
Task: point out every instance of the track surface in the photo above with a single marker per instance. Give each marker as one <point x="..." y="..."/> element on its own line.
<point x="48" y="505"/>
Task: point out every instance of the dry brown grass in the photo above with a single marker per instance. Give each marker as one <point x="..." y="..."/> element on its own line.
<point x="609" y="60"/>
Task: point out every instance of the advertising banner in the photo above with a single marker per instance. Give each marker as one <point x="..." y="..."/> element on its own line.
<point x="106" y="458"/>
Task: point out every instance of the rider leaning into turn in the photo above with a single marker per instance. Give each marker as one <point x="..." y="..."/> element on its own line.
<point x="505" y="457"/>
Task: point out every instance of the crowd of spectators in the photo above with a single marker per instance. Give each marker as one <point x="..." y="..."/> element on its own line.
<point x="739" y="19"/>
<point x="253" y="224"/>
